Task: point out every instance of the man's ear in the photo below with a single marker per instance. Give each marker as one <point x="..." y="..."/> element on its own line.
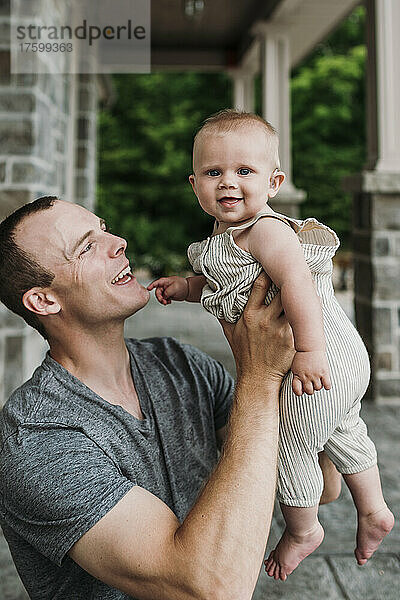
<point x="41" y="302"/>
<point x="275" y="182"/>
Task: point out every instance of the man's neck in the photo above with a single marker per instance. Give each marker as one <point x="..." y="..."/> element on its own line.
<point x="101" y="361"/>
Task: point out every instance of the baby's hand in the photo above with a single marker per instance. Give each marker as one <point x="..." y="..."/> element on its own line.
<point x="170" y="288"/>
<point x="310" y="372"/>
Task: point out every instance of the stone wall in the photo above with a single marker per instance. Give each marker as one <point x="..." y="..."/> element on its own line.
<point x="47" y="147"/>
<point x="376" y="245"/>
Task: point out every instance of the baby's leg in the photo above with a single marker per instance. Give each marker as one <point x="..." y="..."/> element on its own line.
<point x="303" y="534"/>
<point x="375" y="520"/>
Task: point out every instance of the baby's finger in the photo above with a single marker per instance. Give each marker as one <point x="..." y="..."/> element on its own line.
<point x="160" y="295"/>
<point x="326" y="382"/>
<point x="308" y="387"/>
<point x="317" y="384"/>
<point x="297" y="386"/>
<point x="161" y="282"/>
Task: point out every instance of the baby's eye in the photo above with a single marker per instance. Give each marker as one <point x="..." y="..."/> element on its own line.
<point x="213" y="173"/>
<point x="244" y="171"/>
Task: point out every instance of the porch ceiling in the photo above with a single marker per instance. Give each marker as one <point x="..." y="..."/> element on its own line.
<point x="222" y="35"/>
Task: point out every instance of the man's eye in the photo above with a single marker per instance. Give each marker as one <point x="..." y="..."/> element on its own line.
<point x="87" y="248"/>
<point x="244" y="171"/>
<point x="213" y="172"/>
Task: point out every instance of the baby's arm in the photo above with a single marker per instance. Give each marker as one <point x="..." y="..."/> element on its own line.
<point x="178" y="288"/>
<point x="277" y="248"/>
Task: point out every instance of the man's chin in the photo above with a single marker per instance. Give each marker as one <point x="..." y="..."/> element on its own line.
<point x="140" y="303"/>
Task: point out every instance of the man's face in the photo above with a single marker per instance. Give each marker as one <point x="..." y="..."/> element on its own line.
<point x="232" y="173"/>
<point x="74" y="244"/>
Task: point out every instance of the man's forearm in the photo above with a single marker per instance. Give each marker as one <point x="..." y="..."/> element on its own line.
<point x="227" y="529"/>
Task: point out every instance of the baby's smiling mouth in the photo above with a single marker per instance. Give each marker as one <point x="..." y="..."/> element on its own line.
<point x="230" y="200"/>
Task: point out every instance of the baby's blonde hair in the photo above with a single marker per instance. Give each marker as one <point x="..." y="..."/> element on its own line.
<point x="230" y="119"/>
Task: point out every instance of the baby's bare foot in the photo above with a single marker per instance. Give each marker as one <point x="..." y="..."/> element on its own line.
<point x="291" y="550"/>
<point x="371" y="531"/>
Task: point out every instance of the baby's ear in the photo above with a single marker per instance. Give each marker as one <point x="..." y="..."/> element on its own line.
<point x="192" y="182"/>
<point x="275" y="182"/>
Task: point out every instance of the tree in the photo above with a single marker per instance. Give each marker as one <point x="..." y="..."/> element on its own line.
<point x="145" y="160"/>
<point x="328" y="123"/>
<point x="145" y="143"/>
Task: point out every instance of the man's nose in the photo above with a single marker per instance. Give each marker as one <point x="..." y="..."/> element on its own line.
<point x="117" y="245"/>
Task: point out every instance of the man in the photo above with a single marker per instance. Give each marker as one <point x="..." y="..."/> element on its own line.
<point x="106" y="450"/>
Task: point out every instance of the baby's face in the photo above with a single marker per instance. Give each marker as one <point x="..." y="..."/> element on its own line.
<point x="232" y="172"/>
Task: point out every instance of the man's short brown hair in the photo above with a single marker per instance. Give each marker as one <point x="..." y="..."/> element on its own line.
<point x="19" y="271"/>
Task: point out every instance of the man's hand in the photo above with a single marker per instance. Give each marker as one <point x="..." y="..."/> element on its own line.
<point x="262" y="340"/>
<point x="170" y="288"/>
<point x="310" y="372"/>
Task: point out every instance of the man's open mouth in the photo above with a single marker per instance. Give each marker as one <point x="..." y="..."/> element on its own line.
<point x="123" y="276"/>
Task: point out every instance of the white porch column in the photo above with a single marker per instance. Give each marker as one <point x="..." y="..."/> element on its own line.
<point x="243" y="89"/>
<point x="275" y="88"/>
<point x="376" y="226"/>
<point x="387" y="14"/>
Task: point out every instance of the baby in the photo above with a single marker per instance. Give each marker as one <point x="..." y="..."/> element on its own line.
<point x="235" y="171"/>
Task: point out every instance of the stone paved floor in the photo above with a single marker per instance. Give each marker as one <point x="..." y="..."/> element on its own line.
<point x="331" y="573"/>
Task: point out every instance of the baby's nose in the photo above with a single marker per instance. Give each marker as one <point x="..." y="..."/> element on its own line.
<point x="228" y="181"/>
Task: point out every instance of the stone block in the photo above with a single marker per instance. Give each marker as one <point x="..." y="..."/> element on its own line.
<point x="311" y="580"/>
<point x="2" y="172"/>
<point x="4" y="7"/>
<point x="85" y="100"/>
<point x="10" y="200"/>
<point x="386" y="212"/>
<point x="5" y="67"/>
<point x="83" y="129"/>
<point x="9" y="319"/>
<point x="388" y="388"/>
<point x="26" y="173"/>
<point x="60" y="175"/>
<point x="361" y="211"/>
<point x="377" y="580"/>
<point x="387" y="280"/>
<point x="363" y="317"/>
<point x="60" y="145"/>
<point x="17" y="102"/>
<point x="16" y="137"/>
<point x="27" y="79"/>
<point x="381" y="246"/>
<point x="384" y="361"/>
<point x="382" y="324"/>
<point x="5" y="33"/>
<point x="363" y="278"/>
<point x="81" y="157"/>
<point x="13" y="376"/>
<point x="82" y="187"/>
<point x="361" y="243"/>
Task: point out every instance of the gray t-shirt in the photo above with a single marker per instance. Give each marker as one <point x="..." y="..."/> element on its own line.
<point x="67" y="456"/>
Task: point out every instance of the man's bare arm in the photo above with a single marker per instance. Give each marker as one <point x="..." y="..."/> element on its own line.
<point x="139" y="546"/>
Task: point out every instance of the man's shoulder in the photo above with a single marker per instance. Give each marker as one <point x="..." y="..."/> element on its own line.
<point x="24" y="401"/>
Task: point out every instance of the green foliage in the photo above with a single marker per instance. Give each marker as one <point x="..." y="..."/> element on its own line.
<point x="328" y="123"/>
<point x="145" y="143"/>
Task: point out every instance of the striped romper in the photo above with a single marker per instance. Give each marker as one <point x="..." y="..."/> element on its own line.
<point x="328" y="420"/>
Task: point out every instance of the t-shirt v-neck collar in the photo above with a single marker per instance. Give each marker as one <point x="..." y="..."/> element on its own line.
<point x="63" y="375"/>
